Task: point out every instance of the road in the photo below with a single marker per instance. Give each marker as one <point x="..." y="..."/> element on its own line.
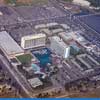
<point x="56" y="4"/>
<point x="21" y="82"/>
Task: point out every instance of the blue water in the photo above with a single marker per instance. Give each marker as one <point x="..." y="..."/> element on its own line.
<point x="43" y="55"/>
<point x="36" y="67"/>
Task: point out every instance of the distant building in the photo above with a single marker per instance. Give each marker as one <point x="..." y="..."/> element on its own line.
<point x="82" y="2"/>
<point x="33" y="41"/>
<point x="60" y="47"/>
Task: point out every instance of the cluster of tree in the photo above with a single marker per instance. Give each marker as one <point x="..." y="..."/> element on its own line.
<point x="68" y="0"/>
<point x="10" y="1"/>
<point x="51" y="94"/>
<point x="95" y="3"/>
<point x="81" y="85"/>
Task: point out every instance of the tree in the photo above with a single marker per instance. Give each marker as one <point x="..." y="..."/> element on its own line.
<point x="68" y="0"/>
<point x="95" y="3"/>
<point x="11" y="1"/>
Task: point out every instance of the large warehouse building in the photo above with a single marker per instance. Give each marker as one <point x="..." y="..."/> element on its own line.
<point x="33" y="41"/>
<point x="8" y="45"/>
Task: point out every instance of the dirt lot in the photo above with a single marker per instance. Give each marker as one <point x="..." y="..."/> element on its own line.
<point x="93" y="94"/>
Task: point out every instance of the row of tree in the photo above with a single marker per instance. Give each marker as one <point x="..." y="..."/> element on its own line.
<point x="95" y="3"/>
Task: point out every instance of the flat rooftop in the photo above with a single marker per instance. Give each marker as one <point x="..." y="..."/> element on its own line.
<point x="88" y="60"/>
<point x="35" y="82"/>
<point x="85" y="62"/>
<point x="8" y="44"/>
<point x="35" y="36"/>
<point x="59" y="41"/>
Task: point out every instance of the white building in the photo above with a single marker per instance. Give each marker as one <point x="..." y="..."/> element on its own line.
<point x="33" y="41"/>
<point x="8" y="45"/>
<point x="82" y="2"/>
<point x="65" y="37"/>
<point x="59" y="47"/>
<point x="40" y="26"/>
<point x="35" y="82"/>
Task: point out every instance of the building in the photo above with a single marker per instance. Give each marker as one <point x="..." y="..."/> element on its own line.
<point x="51" y="24"/>
<point x="88" y="60"/>
<point x="33" y="41"/>
<point x="65" y="26"/>
<point x="82" y="2"/>
<point x="69" y="40"/>
<point x="85" y="62"/>
<point x="47" y="32"/>
<point x="56" y="31"/>
<point x="50" y="29"/>
<point x="66" y="38"/>
<point x="59" y="47"/>
<point x="35" y="82"/>
<point x="40" y="26"/>
<point x="8" y="45"/>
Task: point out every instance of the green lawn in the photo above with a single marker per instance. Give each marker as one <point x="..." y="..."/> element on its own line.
<point x="25" y="58"/>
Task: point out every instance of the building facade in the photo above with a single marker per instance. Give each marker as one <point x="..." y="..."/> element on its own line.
<point x="33" y="41"/>
<point x="59" y="47"/>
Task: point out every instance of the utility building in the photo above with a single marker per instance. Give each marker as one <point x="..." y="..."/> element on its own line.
<point x="33" y="41"/>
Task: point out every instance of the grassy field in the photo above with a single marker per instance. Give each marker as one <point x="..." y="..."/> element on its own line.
<point x="25" y="58"/>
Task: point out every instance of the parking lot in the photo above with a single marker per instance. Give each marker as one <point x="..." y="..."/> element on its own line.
<point x="91" y="28"/>
<point x="38" y="12"/>
<point x="8" y="16"/>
